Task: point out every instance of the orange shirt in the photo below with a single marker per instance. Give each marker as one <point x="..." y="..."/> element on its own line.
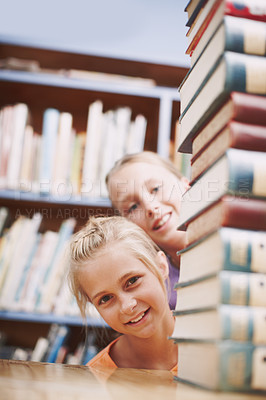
<point x="103" y="359"/>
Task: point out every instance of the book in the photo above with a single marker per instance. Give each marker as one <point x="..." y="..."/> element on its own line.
<point x="7" y="114"/>
<point x="50" y="126"/>
<point x="230" y="211"/>
<point x="234" y="34"/>
<point x="8" y="243"/>
<point x="237" y="172"/>
<point x="239" y="107"/>
<point x="53" y="273"/>
<point x="59" y="340"/>
<point x="223" y="365"/>
<point x="228" y="249"/>
<point x="40" y="349"/>
<point x="225" y="287"/>
<point x="20" y="119"/>
<point x="36" y="272"/>
<point x="201" y="21"/>
<point x="232" y="72"/>
<point x="92" y="148"/>
<point x="25" y="179"/>
<point x="192" y="9"/>
<point x="211" y="15"/>
<point x="136" y="135"/>
<point x="4" y="217"/>
<point x="77" y="162"/>
<point x="61" y="168"/>
<point x="223" y="322"/>
<point x="18" y="261"/>
<point x="235" y="135"/>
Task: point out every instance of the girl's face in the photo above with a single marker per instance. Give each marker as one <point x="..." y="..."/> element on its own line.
<point x="150" y="196"/>
<point x="128" y="296"/>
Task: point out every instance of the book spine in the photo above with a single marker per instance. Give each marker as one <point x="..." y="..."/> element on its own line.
<point x="247" y="137"/>
<point x="59" y="340"/>
<point x="49" y="138"/>
<point x="245" y="36"/>
<point x="250" y="9"/>
<point x="247" y="172"/>
<point x="242" y="367"/>
<point x="249" y="108"/>
<point x="243" y="289"/>
<point x="245" y="252"/>
<point x="242" y="323"/>
<point x="245" y="73"/>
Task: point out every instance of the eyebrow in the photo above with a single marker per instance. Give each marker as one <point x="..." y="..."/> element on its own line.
<point x="131" y="196"/>
<point x="120" y="280"/>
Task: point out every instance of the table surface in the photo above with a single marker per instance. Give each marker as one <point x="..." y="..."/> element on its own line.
<point x="42" y="381"/>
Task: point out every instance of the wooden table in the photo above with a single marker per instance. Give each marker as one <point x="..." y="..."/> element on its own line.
<point x="41" y="381"/>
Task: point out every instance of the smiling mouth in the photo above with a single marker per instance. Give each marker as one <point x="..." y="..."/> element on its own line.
<point x="138" y="319"/>
<point x="162" y="221"/>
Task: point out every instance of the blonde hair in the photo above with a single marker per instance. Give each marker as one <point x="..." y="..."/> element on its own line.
<point x="148" y="157"/>
<point x="95" y="238"/>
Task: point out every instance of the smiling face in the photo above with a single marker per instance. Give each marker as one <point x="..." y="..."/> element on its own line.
<point x="150" y="196"/>
<point x="129" y="297"/>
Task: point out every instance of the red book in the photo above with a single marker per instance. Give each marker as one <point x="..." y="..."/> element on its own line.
<point x="235" y="135"/>
<point x="229" y="211"/>
<point x="241" y="107"/>
<point x="212" y="14"/>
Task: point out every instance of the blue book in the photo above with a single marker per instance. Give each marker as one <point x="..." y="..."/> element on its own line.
<point x="59" y="339"/>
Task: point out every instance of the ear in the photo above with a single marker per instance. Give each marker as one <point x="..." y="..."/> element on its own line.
<point x="163" y="264"/>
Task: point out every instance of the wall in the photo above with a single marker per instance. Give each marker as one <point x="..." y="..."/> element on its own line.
<point x="142" y="30"/>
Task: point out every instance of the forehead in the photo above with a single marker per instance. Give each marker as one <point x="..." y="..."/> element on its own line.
<point x="131" y="178"/>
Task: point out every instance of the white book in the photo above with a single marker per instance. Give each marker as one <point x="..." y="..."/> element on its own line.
<point x="92" y="147"/>
<point x="6" y="142"/>
<point x="20" y="118"/>
<point x="48" y="148"/>
<point x="108" y="149"/>
<point x="136" y="136"/>
<point x="62" y="155"/>
<point x="25" y="183"/>
<point x="123" y="119"/>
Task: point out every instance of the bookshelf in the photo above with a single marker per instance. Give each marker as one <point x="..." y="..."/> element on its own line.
<point x="49" y="88"/>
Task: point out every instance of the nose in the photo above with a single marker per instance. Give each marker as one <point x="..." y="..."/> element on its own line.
<point x="128" y="303"/>
<point x="152" y="210"/>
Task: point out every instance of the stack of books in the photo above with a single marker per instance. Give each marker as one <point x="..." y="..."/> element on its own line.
<point x="221" y="295"/>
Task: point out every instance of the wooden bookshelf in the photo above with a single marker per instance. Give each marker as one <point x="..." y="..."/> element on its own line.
<point x="46" y="88"/>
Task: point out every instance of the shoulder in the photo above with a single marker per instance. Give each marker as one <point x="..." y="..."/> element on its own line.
<point x="103" y="359"/>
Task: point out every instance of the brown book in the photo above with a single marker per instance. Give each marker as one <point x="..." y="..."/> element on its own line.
<point x="240" y="107"/>
<point x="229" y="211"/>
<point x="234" y="134"/>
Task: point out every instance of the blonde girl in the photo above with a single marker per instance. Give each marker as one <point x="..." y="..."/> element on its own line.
<point x="147" y="189"/>
<point x="117" y="267"/>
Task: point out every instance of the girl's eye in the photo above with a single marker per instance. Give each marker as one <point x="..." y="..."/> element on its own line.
<point x="104" y="299"/>
<point x="156" y="189"/>
<point x="132" y="280"/>
<point x="132" y="208"/>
